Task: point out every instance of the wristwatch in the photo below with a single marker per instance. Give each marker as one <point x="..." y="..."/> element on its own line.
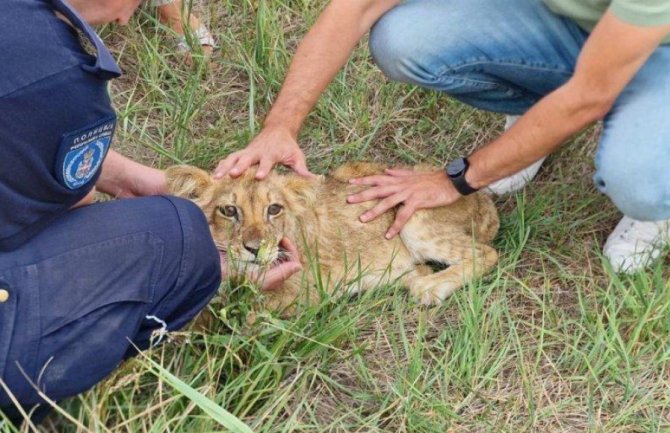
<point x="456" y="170"/>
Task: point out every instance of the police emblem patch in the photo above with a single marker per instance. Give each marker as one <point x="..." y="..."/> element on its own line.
<point x="81" y="153"/>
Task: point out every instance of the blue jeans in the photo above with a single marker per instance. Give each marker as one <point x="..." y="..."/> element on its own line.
<point x="504" y="56"/>
<point x="95" y="283"/>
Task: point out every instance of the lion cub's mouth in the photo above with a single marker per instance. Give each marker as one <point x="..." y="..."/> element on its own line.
<point x="283" y="256"/>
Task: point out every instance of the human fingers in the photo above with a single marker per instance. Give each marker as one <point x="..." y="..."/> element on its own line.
<point x="225" y="165"/>
<point x="243" y="162"/>
<point x="264" y="167"/>
<point x="401" y="218"/>
<point x="383" y="206"/>
<point x="300" y="167"/>
<point x="372" y="194"/>
<point x="290" y="247"/>
<point x="276" y="276"/>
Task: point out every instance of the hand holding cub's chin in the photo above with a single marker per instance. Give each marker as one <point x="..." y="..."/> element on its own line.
<point x="269" y="279"/>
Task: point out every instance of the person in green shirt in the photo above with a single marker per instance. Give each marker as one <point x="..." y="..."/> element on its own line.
<point x="558" y="66"/>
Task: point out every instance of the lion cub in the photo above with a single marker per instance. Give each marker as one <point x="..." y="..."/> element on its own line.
<point x="248" y="218"/>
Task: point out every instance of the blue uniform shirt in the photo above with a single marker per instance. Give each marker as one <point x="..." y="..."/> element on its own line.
<point x="81" y="294"/>
<point x="56" y="119"/>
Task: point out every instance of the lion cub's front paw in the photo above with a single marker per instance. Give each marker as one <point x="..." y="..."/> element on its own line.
<point x="430" y="296"/>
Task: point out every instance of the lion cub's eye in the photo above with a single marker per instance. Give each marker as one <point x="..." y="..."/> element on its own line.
<point x="275" y="209"/>
<point x="228" y="211"/>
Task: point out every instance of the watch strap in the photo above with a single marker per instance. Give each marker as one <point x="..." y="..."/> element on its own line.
<point x="456" y="171"/>
<point x="462" y="185"/>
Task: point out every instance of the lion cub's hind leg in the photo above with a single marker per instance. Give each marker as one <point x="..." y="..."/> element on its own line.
<point x="465" y="258"/>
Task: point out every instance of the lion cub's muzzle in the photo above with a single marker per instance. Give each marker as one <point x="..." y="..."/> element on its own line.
<point x="259" y="252"/>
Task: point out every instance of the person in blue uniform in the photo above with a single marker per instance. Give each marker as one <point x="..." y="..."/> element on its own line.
<point x="82" y="284"/>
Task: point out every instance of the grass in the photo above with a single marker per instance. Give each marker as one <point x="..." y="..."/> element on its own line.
<point x="551" y="341"/>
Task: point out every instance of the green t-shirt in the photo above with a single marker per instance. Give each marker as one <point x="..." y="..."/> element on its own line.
<point x="637" y="12"/>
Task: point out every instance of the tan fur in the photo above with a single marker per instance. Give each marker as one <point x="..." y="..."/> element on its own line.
<point x="318" y="220"/>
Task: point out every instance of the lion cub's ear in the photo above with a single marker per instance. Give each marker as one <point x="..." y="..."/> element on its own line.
<point x="187" y="181"/>
<point x="303" y="192"/>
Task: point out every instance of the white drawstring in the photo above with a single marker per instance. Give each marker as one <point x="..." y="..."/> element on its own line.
<point x="157" y="335"/>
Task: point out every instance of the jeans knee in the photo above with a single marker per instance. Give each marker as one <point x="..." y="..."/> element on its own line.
<point x="410" y="44"/>
<point x="398" y="47"/>
<point x="638" y="186"/>
<point x="385" y="48"/>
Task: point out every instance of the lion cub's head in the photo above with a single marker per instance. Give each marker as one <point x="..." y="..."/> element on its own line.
<point x="247" y="217"/>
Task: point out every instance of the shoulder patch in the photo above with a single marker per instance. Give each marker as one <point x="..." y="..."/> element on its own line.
<point x="81" y="153"/>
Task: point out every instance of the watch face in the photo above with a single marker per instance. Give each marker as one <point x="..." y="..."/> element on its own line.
<point x="456" y="167"/>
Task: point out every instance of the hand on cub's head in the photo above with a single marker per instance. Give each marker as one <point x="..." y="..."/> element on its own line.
<point x="271" y="146"/>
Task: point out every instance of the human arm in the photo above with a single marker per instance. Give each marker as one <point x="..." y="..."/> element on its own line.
<point x="600" y="76"/>
<point x="322" y="53"/>
<point x="123" y="177"/>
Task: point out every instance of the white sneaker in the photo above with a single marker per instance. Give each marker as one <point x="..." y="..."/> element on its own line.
<point x="518" y="180"/>
<point x="510" y="120"/>
<point x="633" y="244"/>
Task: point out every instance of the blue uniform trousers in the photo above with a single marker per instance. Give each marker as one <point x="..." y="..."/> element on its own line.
<point x="95" y="282"/>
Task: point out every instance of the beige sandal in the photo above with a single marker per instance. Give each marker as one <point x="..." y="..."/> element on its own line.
<point x="201" y="35"/>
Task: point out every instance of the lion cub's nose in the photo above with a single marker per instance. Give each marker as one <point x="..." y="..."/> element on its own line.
<point x="252" y="248"/>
